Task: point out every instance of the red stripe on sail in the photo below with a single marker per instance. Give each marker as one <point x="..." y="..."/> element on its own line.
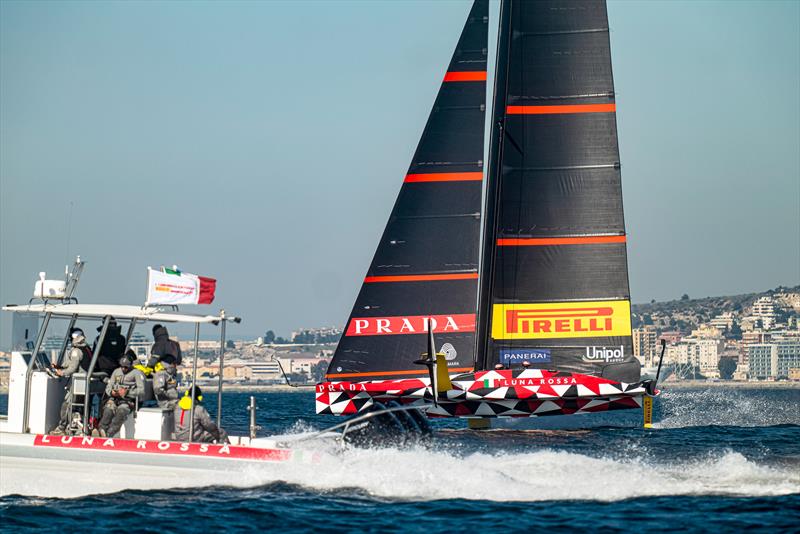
<point x="208" y="286"/>
<point x="558" y="110"/>
<point x="466" y="76"/>
<point x="545" y="241"/>
<point x="420" y="277"/>
<point x="445" y="177"/>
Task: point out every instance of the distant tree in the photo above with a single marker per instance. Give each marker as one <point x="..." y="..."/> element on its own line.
<point x="652" y="301"/>
<point x="318" y="371"/>
<point x="684" y="297"/>
<point x="298" y="378"/>
<point x="735" y="331"/>
<point x="646" y="319"/>
<point x="269" y="337"/>
<point x="280" y="341"/>
<point x="230" y="344"/>
<point x="726" y="367"/>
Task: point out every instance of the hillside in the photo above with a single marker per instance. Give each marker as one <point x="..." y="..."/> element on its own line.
<point x="688" y="313"/>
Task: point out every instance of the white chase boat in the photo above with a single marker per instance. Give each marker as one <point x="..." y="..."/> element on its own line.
<point x="143" y="449"/>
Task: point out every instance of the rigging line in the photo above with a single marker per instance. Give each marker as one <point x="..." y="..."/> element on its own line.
<point x="608" y="94"/>
<point x="560" y="32"/>
<point x="69" y="232"/>
<point x="453" y="216"/>
<point x="614" y="165"/>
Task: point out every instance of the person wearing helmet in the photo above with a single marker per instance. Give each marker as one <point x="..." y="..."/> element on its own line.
<point x="124" y="388"/>
<point x="79" y="357"/>
<point x="165" y="386"/>
<point x="205" y="431"/>
<point x="163" y="345"/>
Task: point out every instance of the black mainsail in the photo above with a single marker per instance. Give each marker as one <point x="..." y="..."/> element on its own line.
<point x="554" y="278"/>
<point x="426" y="266"/>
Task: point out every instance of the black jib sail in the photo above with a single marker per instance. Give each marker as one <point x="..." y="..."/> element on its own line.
<point x="426" y="265"/>
<point x="554" y="278"/>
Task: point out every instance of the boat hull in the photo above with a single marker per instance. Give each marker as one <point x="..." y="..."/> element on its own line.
<point x="64" y="466"/>
<point x="487" y="394"/>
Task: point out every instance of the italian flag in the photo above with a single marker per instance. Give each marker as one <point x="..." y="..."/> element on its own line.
<point x="171" y="286"/>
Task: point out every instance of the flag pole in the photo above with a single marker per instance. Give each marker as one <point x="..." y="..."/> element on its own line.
<point x="194" y="381"/>
<point x="221" y="358"/>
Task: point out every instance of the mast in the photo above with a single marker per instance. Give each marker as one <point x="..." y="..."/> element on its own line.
<point x="554" y="277"/>
<point x="491" y="196"/>
<point x="425" y="268"/>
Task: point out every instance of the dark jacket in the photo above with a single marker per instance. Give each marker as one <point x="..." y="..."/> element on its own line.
<point x="204" y="427"/>
<point x="165" y="389"/>
<point x="163" y="345"/>
<point x="133" y="381"/>
<point x="113" y="347"/>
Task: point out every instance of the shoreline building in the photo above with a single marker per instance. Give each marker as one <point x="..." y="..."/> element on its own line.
<point x="645" y="343"/>
<point x="764" y="310"/>
<point x="775" y="360"/>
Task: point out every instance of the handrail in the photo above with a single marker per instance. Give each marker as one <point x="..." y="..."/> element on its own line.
<point x="194" y="382"/>
<point x="86" y="404"/>
<point x="29" y="373"/>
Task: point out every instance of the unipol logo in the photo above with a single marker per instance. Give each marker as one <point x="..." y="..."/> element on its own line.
<point x="605" y="354"/>
<point x="561" y="320"/>
<point x="412" y="324"/>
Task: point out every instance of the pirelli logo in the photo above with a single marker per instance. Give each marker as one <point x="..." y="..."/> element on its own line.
<point x="561" y="320"/>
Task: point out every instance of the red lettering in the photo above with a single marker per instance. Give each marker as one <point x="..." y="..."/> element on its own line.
<point x="608" y="323"/>
<point x="577" y="327"/>
<point x="562" y="325"/>
<point x="539" y="326"/>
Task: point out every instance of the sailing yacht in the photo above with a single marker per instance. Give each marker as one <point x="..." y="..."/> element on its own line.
<point x="516" y="266"/>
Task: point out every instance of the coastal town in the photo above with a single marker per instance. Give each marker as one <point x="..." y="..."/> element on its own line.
<point x="743" y="338"/>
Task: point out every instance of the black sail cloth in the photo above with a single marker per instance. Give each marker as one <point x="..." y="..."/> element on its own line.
<point x="554" y="278"/>
<point x="426" y="264"/>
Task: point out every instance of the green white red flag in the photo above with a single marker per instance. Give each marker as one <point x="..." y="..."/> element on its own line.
<point x="170" y="286"/>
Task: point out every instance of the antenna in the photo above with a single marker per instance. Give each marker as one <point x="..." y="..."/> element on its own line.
<point x="69" y="236"/>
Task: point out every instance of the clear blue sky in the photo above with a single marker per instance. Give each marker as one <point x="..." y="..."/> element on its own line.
<point x="263" y="143"/>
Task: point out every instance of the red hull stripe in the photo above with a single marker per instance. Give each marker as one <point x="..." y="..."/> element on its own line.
<point x="545" y="241"/>
<point x="558" y="110"/>
<point x="445" y="177"/>
<point x="163" y="447"/>
<point x="396" y="373"/>
<point x="468" y="76"/>
<point x="421" y="278"/>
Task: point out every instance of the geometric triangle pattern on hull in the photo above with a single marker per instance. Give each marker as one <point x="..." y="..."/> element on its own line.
<point x="487" y="394"/>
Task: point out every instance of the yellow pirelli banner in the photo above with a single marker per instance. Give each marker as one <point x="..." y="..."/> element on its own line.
<point x="561" y="320"/>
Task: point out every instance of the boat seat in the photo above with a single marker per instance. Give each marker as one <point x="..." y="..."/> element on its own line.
<point x="98" y="384"/>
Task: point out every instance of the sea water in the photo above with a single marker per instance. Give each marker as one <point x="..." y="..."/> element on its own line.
<point x="720" y="458"/>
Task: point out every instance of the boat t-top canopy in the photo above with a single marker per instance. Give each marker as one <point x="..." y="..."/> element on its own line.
<point x="123" y="312"/>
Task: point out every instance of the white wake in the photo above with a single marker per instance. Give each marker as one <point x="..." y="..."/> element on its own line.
<point x="422" y="474"/>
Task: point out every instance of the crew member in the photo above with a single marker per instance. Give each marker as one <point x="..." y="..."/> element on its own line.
<point x="205" y="431"/>
<point x="162" y="345"/>
<point x="113" y="347"/>
<point x="165" y="385"/>
<point x="79" y="357"/>
<point x="125" y="387"/>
